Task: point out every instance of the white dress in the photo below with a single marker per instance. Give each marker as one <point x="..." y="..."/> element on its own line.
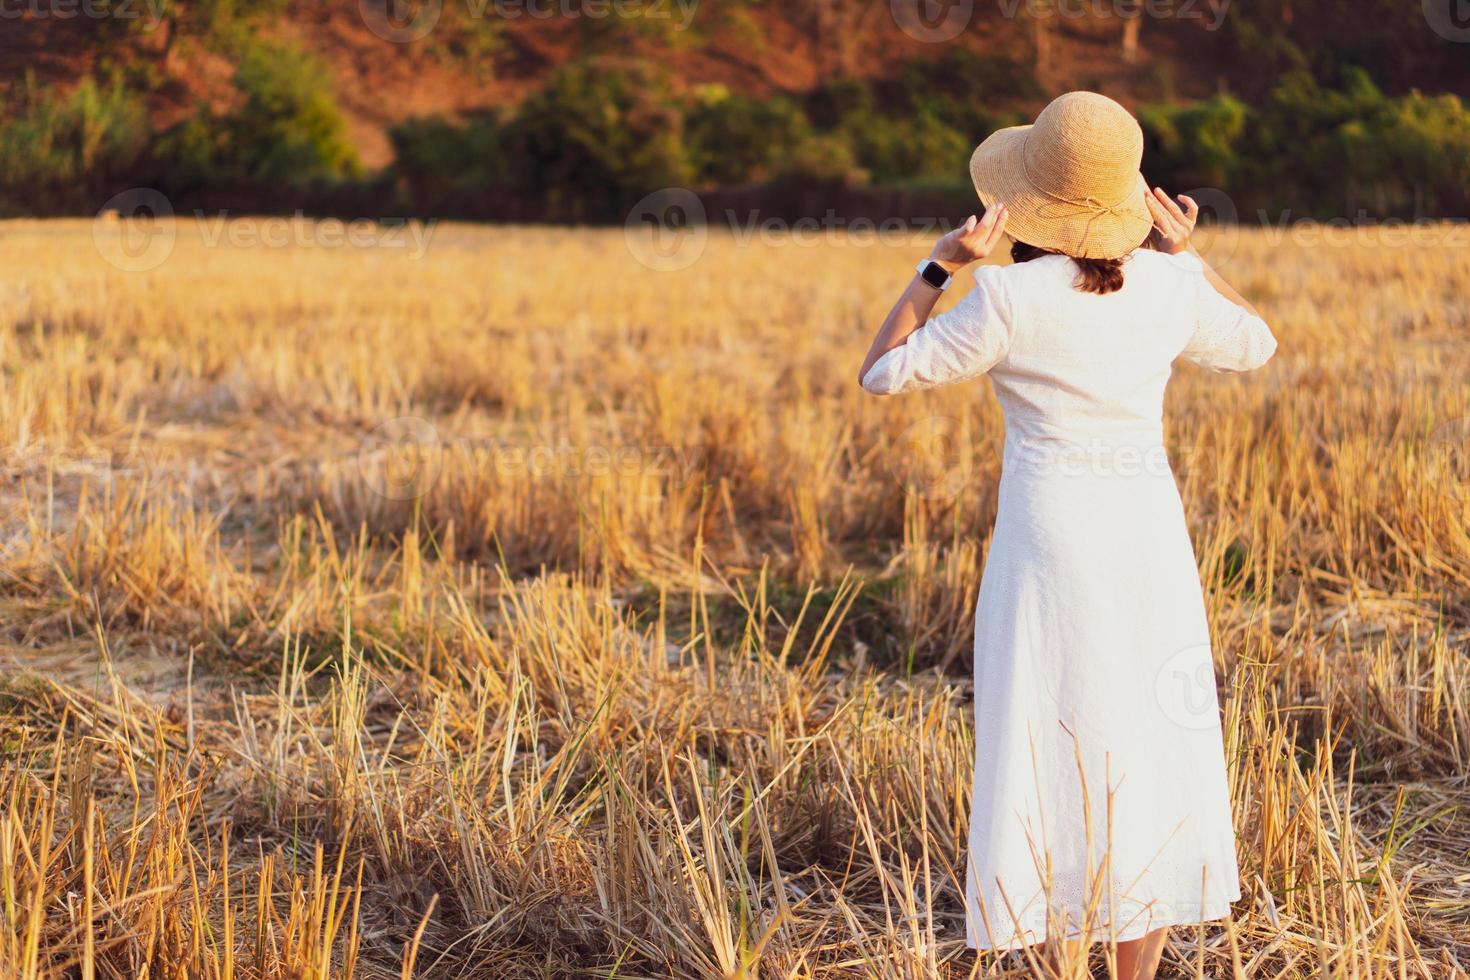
<point x="1100" y="805"/>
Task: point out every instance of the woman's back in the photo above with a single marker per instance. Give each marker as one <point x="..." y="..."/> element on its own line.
<point x="1088" y="369"/>
<point x="1074" y="369"/>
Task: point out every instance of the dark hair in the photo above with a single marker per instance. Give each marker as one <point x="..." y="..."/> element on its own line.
<point x="1101" y="276"/>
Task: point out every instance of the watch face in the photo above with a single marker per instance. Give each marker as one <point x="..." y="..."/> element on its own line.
<point x="935" y="275"/>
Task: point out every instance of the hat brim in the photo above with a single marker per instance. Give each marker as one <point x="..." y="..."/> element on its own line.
<point x="998" y="170"/>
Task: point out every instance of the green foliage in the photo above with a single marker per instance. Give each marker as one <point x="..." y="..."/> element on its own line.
<point x="286" y="132"/>
<point x="1384" y="155"/>
<point x="1393" y="40"/>
<point x="826" y="158"/>
<point x="908" y="148"/>
<point x="961" y="89"/>
<point x="471" y="154"/>
<point x="600" y="133"/>
<point x="466" y="41"/>
<point x="923" y="124"/>
<point x="224" y="26"/>
<point x="594" y="136"/>
<point x="734" y="139"/>
<point x="65" y="146"/>
<point x="1197" y="144"/>
<point x="289" y="128"/>
<point x="831" y="104"/>
<point x="1317" y="151"/>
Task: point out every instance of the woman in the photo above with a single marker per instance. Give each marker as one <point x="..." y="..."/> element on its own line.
<point x="1100" y="806"/>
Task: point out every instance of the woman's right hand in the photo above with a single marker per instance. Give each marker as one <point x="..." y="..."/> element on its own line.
<point x="971" y="241"/>
<point x="1172" y="225"/>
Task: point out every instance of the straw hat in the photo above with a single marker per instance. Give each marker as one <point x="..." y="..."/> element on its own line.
<point x="1070" y="182"/>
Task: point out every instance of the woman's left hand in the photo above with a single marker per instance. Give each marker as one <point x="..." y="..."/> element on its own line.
<point x="1172" y="225"/>
<point x="971" y="241"/>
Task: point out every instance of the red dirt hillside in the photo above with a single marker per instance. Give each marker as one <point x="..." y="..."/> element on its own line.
<point x="468" y="62"/>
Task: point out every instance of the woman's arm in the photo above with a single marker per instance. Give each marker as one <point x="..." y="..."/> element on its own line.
<point x="972" y="241"/>
<point x="1172" y="228"/>
<point x="1229" y="335"/>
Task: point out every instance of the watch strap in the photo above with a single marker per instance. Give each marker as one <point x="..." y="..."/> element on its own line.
<point x="934" y="274"/>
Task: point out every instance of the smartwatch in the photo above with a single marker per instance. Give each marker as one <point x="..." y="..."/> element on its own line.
<point x="934" y="274"/>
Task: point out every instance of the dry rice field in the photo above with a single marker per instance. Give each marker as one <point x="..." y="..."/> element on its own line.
<point x="513" y="609"/>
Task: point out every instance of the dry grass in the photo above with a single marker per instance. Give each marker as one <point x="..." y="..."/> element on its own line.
<point x="522" y="612"/>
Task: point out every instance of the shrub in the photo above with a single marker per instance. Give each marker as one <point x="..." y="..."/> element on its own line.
<point x="823" y="159"/>
<point x="962" y="90"/>
<point x="1354" y="147"/>
<point x="63" y="150"/>
<point x="286" y="132"/>
<point x="1316" y="151"/>
<point x="289" y="128"/>
<point x="1197" y="144"/>
<point x="833" y="102"/>
<point x="454" y="167"/>
<point x="594" y="138"/>
<point x="907" y="148"/>
<point x="734" y="139"/>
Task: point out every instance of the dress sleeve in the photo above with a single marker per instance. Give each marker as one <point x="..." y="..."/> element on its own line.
<point x="960" y="344"/>
<point x="1226" y="337"/>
